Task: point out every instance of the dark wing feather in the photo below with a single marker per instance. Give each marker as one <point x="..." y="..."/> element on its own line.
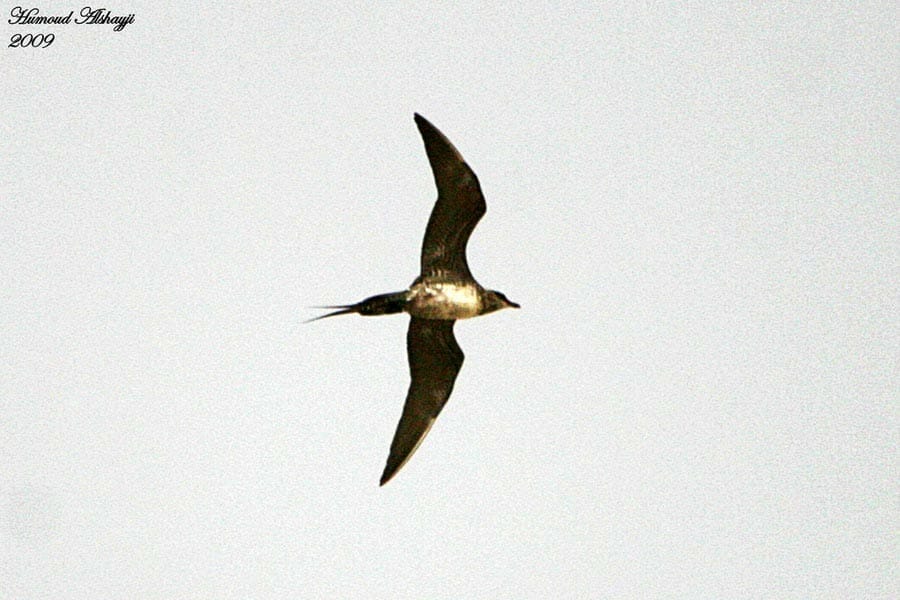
<point x="434" y="361"/>
<point x="459" y="207"/>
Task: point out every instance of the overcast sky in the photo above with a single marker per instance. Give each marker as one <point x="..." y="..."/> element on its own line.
<point x="696" y="206"/>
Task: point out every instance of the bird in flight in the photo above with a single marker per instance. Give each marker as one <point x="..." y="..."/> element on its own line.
<point x="443" y="292"/>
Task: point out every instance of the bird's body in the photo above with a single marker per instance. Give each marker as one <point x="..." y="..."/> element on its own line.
<point x="435" y="299"/>
<point x="444" y="292"/>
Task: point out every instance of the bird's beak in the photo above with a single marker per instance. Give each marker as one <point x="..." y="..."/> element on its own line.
<point x="511" y="304"/>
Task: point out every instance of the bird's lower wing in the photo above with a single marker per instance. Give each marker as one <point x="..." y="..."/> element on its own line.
<point x="434" y="361"/>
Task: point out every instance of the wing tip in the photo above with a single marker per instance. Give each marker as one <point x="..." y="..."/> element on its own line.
<point x="424" y="124"/>
<point x="391" y="470"/>
<point x="398" y="459"/>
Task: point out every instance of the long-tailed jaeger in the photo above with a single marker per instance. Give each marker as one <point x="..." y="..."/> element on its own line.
<point x="444" y="292"/>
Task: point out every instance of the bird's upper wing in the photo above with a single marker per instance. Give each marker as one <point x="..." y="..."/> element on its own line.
<point x="459" y="206"/>
<point x="434" y="361"/>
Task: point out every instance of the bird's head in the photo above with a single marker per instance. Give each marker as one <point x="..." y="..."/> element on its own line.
<point x="494" y="300"/>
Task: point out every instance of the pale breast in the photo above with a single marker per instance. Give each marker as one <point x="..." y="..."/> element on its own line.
<point x="443" y="301"/>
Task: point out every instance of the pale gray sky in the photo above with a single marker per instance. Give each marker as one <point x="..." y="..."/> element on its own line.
<point x="695" y="205"/>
